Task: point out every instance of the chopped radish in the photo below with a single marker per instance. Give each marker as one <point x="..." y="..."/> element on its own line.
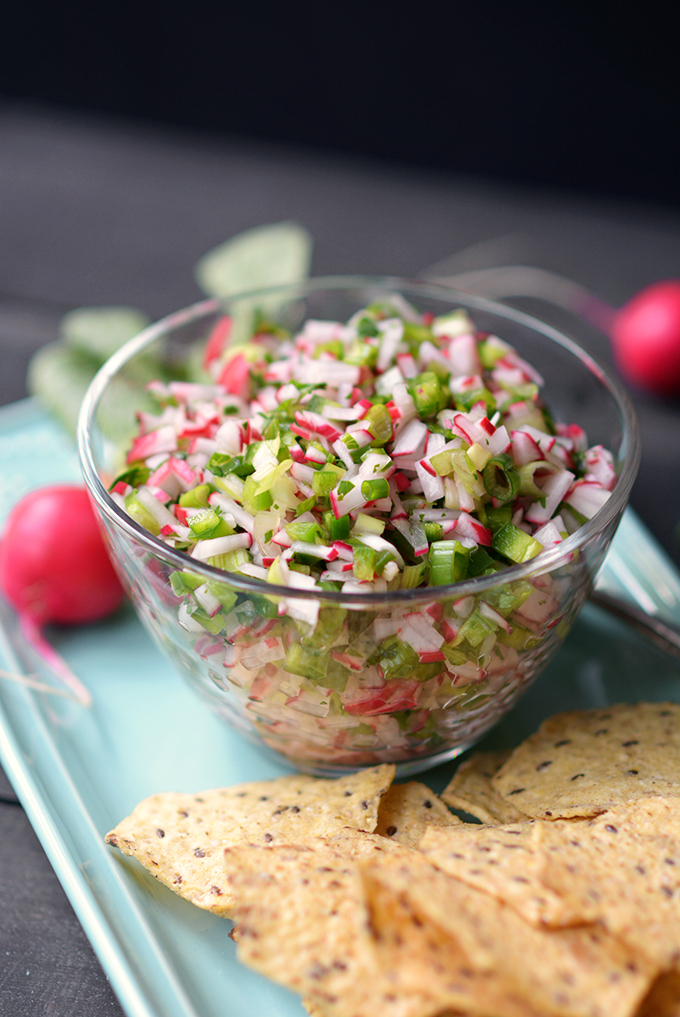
<point x="354" y="458"/>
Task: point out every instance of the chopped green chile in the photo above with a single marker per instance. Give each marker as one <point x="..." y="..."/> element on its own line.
<point x="325" y="480"/>
<point x="197" y="497"/>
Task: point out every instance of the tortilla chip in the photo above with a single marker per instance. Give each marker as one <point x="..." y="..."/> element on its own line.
<point x="502" y="861"/>
<point x="407" y="810"/>
<point x="612" y="870"/>
<point x="313" y="1009"/>
<point x="663" y="999"/>
<point x="471" y="790"/>
<point x="647" y="817"/>
<point x="418" y="954"/>
<point x="302" y="922"/>
<point x="582" y="972"/>
<point x="584" y="762"/>
<point x="180" y="838"/>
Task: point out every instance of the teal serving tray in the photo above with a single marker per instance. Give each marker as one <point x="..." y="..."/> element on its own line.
<point x="79" y="771"/>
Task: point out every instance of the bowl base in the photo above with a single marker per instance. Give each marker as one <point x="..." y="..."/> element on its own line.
<point x="404" y="769"/>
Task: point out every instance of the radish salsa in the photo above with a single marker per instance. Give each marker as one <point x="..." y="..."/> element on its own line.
<point x="392" y="452"/>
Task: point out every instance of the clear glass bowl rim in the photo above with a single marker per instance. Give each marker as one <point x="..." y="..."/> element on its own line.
<point x="549" y="560"/>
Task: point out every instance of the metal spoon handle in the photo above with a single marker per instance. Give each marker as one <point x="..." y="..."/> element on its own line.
<point x="665" y="637"/>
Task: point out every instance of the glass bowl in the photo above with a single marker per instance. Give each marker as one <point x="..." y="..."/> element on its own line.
<point x="348" y="698"/>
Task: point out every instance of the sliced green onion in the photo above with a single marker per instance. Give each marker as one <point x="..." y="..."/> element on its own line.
<point x="184" y="582"/>
<point x="427" y="394"/>
<point x="212" y="625"/>
<point x="334" y="347"/>
<point x="466" y="400"/>
<point x="367" y="327"/>
<point x="413" y="575"/>
<point x="361" y="354"/>
<point x="433" y="531"/>
<point x="448" y="562"/>
<point x="515" y="544"/>
<point x="220" y="464"/>
<point x="271" y="431"/>
<point x="501" y="480"/>
<point x="251" y="451"/>
<point x="569" y="510"/>
<point x="481" y="562"/>
<point x="372" y="489"/>
<point x="369" y="524"/>
<point x="363" y="562"/>
<point x="208" y="523"/>
<point x="304" y="662"/>
<point x="230" y="561"/>
<point x="475" y="629"/>
<point x="490" y="352"/>
<point x="528" y="486"/>
<point x="442" y="463"/>
<point x="226" y="596"/>
<point x="135" y="476"/>
<point x="397" y="659"/>
<point x="328" y="628"/>
<point x="382" y="560"/>
<point x="254" y="502"/>
<point x="265" y="606"/>
<point x="380" y="424"/>
<point x="477" y="457"/>
<point x="509" y="597"/>
<point x="519" y="638"/>
<point x="463" y="469"/>
<point x="140" y="514"/>
<point x="415" y="334"/>
<point x="453" y="654"/>
<point x="497" y="517"/>
<point x="197" y="497"/>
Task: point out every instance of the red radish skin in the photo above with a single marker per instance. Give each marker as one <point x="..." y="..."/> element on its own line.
<point x="53" y="562"/>
<point x="54" y="568"/>
<point x="646" y="338"/>
<point x="217" y="340"/>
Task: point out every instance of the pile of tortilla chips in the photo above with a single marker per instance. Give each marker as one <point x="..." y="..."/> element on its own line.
<point x="373" y="900"/>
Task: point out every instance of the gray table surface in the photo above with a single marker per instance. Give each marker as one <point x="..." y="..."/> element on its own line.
<point x="102" y="212"/>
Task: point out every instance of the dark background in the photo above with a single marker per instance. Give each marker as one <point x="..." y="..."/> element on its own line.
<point x="572" y="93"/>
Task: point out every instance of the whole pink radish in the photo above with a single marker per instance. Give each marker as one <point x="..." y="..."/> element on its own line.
<point x="645" y="335"/>
<point x="54" y="568"/>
